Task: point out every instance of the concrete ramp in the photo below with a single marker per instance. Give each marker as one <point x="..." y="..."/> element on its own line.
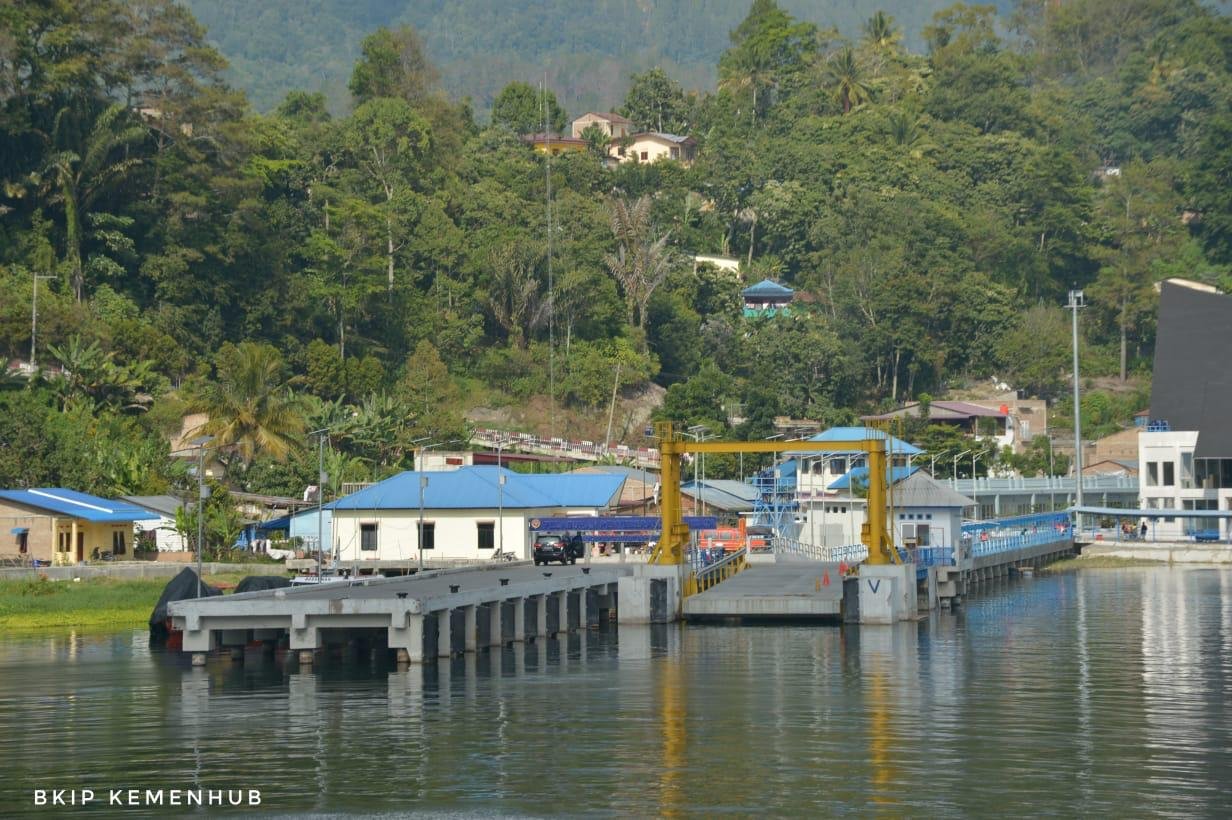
<point x="796" y="591"/>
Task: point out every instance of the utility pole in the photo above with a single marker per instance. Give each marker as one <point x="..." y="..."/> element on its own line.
<point x="34" y="320"/>
<point x="1076" y="303"/>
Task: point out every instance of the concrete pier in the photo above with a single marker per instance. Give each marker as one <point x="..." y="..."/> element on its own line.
<point x="436" y="613"/>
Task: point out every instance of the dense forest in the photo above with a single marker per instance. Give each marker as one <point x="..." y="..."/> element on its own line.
<point x="381" y="271"/>
<point x="588" y="50"/>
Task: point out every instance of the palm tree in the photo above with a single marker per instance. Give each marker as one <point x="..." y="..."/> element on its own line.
<point x="77" y="180"/>
<point x="745" y="75"/>
<point x="251" y="408"/>
<point x="514" y="297"/>
<point x="880" y="33"/>
<point x="844" y="72"/>
<point x="641" y="261"/>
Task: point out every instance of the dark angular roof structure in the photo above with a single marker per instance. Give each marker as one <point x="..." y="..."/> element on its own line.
<point x="1192" y="384"/>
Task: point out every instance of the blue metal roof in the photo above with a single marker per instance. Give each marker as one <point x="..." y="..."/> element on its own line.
<point x="895" y="445"/>
<point x="78" y="505"/>
<point x="767" y="287"/>
<point x="478" y="488"/>
<point x="861" y="474"/>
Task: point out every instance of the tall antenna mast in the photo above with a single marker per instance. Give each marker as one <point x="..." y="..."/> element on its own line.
<point x="551" y="283"/>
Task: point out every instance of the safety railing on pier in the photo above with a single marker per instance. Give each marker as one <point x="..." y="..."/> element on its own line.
<point x="564" y="448"/>
<point x="847" y="553"/>
<point x="1006" y="534"/>
<point x="704" y="578"/>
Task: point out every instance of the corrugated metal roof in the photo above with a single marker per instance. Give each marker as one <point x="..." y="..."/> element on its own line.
<point x="164" y="504"/>
<point x="922" y="490"/>
<point x="478" y="488"/>
<point x="78" y="505"/>
<point x="896" y="445"/>
<point x="861" y="474"/>
<point x="767" y="287"/>
<point x="723" y="494"/>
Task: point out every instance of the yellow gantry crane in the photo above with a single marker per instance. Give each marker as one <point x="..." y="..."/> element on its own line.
<point x="672" y="445"/>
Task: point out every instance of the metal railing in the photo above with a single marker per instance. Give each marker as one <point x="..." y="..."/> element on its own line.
<point x="848" y="553"/>
<point x="1006" y="534"/>
<point x="703" y="579"/>
<point x="582" y="450"/>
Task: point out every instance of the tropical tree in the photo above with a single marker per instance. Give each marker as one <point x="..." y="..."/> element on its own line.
<point x="251" y="408"/>
<point x="76" y="180"/>
<point x="514" y="297"/>
<point x="880" y="33"/>
<point x="846" y="76"/>
<point x="520" y="107"/>
<point x="597" y="140"/>
<point x="393" y="64"/>
<point x="642" y="260"/>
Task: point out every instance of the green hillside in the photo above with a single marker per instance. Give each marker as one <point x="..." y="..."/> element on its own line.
<point x="588" y="49"/>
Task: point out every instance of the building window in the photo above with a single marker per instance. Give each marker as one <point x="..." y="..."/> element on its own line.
<point x="1169" y="474"/>
<point x="1187" y="471"/>
<point x="838" y="466"/>
<point x="23" y="542"/>
<point x="428" y="536"/>
<point x="645" y="156"/>
<point x="367" y="537"/>
<point x="675" y="153"/>
<point x="117" y="542"/>
<point x="1152" y="474"/>
<point x="486" y="531"/>
<point x="921" y="535"/>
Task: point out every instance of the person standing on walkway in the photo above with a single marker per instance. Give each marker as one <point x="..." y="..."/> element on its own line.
<point x="1143" y="529"/>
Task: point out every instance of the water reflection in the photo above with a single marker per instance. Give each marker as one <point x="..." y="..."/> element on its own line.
<point x="1095" y="693"/>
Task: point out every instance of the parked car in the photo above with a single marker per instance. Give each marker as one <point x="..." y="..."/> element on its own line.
<point x="550" y="548"/>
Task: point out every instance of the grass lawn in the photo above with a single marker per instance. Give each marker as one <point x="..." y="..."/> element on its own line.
<point x="93" y="602"/>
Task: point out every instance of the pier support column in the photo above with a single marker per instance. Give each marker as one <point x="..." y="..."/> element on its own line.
<point x="496" y="634"/>
<point x="444" y="634"/>
<point x="541" y="616"/>
<point x="562" y="612"/>
<point x="198" y="659"/>
<point x="409" y="640"/>
<point x="470" y="628"/>
<point x="519" y="620"/>
<point x="305" y="657"/>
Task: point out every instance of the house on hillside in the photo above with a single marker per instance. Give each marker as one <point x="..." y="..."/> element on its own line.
<point x="58" y="526"/>
<point x="652" y="146"/>
<point x="973" y="419"/>
<point x="611" y="124"/>
<point x="467" y="513"/>
<point x="554" y="144"/>
<point x="767" y="299"/>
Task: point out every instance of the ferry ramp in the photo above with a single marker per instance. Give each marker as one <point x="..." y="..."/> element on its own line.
<point x="789" y="591"/>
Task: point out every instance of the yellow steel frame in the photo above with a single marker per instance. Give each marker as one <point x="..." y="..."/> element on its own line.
<point x="675" y="535"/>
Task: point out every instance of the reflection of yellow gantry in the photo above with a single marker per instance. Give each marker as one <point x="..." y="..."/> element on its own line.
<point x="675" y="535"/>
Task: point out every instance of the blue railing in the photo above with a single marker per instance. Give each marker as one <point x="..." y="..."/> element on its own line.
<point x="1003" y="535"/>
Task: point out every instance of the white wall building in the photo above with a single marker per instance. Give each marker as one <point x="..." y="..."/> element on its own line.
<point x="468" y="513"/>
<point x="1171" y="478"/>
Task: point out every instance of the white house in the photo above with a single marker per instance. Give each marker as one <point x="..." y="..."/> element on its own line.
<point x="160" y="529"/>
<point x="467" y="513"/>
<point x="1185" y="451"/>
<point x="613" y="125"/>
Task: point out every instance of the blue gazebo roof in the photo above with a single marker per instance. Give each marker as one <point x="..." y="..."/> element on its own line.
<point x="767" y="289"/>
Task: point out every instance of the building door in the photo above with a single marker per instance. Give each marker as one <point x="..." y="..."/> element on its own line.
<point x="81" y="546"/>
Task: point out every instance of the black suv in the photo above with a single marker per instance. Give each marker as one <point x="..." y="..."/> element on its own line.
<point x="550" y="548"/>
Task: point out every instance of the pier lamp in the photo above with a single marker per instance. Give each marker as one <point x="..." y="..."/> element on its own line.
<point x="1076" y="303"/>
<point x="320" y="434"/>
<point x="203" y="492"/>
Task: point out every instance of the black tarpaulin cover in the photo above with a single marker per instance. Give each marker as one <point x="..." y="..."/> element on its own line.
<point x="255" y="583"/>
<point x="181" y="587"/>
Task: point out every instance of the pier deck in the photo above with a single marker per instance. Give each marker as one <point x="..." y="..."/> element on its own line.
<point x="769" y="591"/>
<point x="435" y="613"/>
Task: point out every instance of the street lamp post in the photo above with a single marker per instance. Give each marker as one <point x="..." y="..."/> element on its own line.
<point x="932" y="463"/>
<point x="500" y="496"/>
<point x="203" y="492"/>
<point x="1076" y="303"/>
<point x="320" y="434"/>
<point x="423" y="485"/>
<point x="695" y="432"/>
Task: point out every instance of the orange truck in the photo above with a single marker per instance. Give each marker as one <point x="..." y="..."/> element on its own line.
<point x="734" y="538"/>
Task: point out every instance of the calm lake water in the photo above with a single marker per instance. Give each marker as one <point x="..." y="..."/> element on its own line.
<point x="1102" y="692"/>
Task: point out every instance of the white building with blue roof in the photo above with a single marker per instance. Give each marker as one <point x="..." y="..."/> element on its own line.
<point x="468" y="513"/>
<point x="53" y="525"/>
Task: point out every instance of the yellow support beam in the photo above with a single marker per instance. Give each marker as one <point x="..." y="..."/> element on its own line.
<point x="675" y="533"/>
